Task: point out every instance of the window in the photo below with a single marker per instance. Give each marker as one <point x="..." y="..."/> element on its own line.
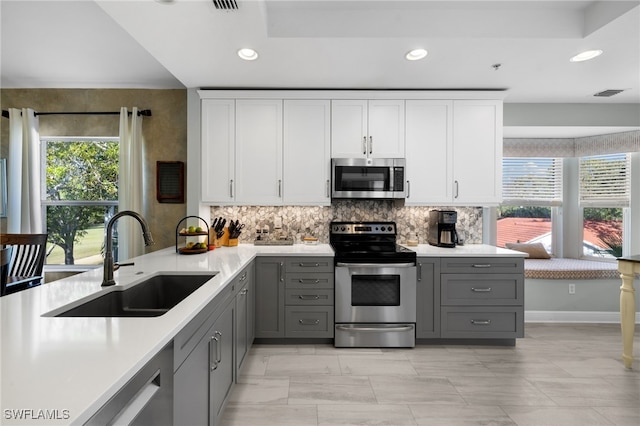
<point x="605" y="187"/>
<point x="80" y="194"/>
<point x="532" y="194"/>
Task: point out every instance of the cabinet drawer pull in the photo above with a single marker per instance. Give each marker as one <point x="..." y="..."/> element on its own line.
<point x="309" y="297"/>
<point x="481" y="322"/>
<point x="308" y="322"/>
<point x="481" y="265"/>
<point x="308" y="265"/>
<point x="481" y="290"/>
<point x="308" y="281"/>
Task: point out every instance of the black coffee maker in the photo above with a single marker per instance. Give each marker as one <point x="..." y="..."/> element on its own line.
<point x="441" y="230"/>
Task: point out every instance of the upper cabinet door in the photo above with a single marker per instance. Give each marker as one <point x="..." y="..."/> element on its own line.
<point x="477" y="152"/>
<point x="367" y="129"/>
<point x="307" y="157"/>
<point x="259" y="151"/>
<point x="217" y="150"/>
<point x="386" y="129"/>
<point x="429" y="129"/>
<point x="348" y="128"/>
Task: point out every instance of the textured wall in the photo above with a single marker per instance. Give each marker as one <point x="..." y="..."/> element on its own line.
<point x="301" y="221"/>
<point x="165" y="134"/>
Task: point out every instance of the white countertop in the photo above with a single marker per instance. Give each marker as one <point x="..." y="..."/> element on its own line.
<point x="74" y="365"/>
<point x="470" y="250"/>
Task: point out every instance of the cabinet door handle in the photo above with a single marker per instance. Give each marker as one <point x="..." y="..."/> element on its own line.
<point x="308" y="281"/>
<point x="213" y="343"/>
<point x="244" y="291"/>
<point x="218" y="339"/>
<point x="481" y="322"/>
<point x="481" y="290"/>
<point x="308" y="297"/>
<point x="231" y="188"/>
<point x="370" y="144"/>
<point x="364" y="145"/>
<point x="280" y="269"/>
<point x="328" y="189"/>
<point x="457" y="189"/>
<point x="308" y="322"/>
<point x="419" y="272"/>
<point x="279" y="188"/>
<point x="408" y="189"/>
<point x="481" y="265"/>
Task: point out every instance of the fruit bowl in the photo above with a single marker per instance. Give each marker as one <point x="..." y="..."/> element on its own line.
<point x="184" y="250"/>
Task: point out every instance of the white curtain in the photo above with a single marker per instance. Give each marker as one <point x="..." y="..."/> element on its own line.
<point x="130" y="193"/>
<point x="24" y="207"/>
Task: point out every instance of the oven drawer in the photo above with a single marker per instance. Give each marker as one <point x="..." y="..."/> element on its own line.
<point x="308" y="264"/>
<point x="483" y="289"/>
<point x="309" y="321"/>
<point x="296" y="297"/>
<point x="309" y="281"/>
<point x="482" y="322"/>
<point x="482" y="265"/>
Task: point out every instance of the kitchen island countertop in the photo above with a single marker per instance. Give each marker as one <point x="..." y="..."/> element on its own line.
<point x="469" y="250"/>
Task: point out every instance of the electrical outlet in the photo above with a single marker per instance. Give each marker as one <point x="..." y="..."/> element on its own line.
<point x="572" y="289"/>
<point x="277" y="222"/>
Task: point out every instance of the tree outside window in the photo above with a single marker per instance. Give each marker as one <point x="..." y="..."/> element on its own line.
<point x="81" y="194"/>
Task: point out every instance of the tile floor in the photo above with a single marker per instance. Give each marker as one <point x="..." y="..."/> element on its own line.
<point x="559" y="374"/>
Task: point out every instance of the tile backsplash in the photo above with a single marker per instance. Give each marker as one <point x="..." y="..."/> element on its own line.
<point x="301" y="221"/>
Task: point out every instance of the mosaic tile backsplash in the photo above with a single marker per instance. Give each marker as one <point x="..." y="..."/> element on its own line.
<point x="301" y="221"/>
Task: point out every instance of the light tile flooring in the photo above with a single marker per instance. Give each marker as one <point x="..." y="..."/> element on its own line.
<point x="559" y="374"/>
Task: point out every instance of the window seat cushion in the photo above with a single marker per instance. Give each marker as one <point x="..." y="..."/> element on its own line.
<point x="565" y="269"/>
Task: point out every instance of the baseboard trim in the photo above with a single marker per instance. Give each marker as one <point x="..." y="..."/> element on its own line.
<point x="575" y="316"/>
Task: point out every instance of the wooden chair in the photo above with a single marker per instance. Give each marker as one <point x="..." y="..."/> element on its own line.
<point x="28" y="252"/>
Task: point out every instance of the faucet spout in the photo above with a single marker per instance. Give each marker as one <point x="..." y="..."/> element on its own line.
<point x="107" y="279"/>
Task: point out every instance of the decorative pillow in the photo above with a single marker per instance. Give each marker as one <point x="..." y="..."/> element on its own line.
<point x="535" y="250"/>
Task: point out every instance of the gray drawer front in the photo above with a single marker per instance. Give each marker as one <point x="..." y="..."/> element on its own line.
<point x="482" y="322"/>
<point x="297" y="297"/>
<point x="309" y="321"/>
<point x="483" y="289"/>
<point x="482" y="265"/>
<point x="309" y="281"/>
<point x="309" y="264"/>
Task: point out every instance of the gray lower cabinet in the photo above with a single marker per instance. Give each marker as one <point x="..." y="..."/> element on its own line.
<point x="482" y="298"/>
<point x="294" y="297"/>
<point x="428" y="298"/>
<point x="209" y="351"/>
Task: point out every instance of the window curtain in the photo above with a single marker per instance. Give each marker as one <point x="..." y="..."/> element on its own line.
<point x="24" y="209"/>
<point x="130" y="194"/>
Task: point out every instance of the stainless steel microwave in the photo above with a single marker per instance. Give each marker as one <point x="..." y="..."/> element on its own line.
<point x="381" y="178"/>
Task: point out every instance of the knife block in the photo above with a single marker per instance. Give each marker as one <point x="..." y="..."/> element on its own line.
<point x="224" y="240"/>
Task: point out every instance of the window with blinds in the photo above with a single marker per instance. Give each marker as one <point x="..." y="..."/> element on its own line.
<point x="605" y="180"/>
<point x="528" y="181"/>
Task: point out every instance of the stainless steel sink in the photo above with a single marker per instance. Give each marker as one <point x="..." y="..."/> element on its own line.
<point x="152" y="297"/>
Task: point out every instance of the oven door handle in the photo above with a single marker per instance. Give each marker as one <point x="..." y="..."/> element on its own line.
<point x="355" y="328"/>
<point x="376" y="265"/>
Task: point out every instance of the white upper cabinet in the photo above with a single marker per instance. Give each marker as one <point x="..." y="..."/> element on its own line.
<point x="477" y="152"/>
<point x="454" y="152"/>
<point x="218" y="150"/>
<point x="429" y="133"/>
<point x="367" y="129"/>
<point x="259" y="151"/>
<point x="307" y="156"/>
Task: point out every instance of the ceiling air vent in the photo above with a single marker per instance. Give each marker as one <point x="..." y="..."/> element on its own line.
<point x="226" y="4"/>
<point x="609" y="92"/>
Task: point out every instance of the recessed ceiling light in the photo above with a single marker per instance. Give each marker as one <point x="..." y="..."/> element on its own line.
<point x="415" y="54"/>
<point x="586" y="55"/>
<point x="248" y="54"/>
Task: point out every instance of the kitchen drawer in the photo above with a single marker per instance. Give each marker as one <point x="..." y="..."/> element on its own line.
<point x="496" y="322"/>
<point x="309" y="264"/>
<point x="309" y="321"/>
<point x="319" y="297"/>
<point x="309" y="281"/>
<point x="482" y="265"/>
<point x="482" y="289"/>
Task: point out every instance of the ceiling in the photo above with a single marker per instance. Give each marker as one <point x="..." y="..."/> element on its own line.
<point x="327" y="44"/>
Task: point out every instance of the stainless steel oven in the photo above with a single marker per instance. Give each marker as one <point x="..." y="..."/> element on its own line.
<point x="375" y="286"/>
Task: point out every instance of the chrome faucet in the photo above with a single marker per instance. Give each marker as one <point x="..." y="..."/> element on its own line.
<point x="107" y="279"/>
